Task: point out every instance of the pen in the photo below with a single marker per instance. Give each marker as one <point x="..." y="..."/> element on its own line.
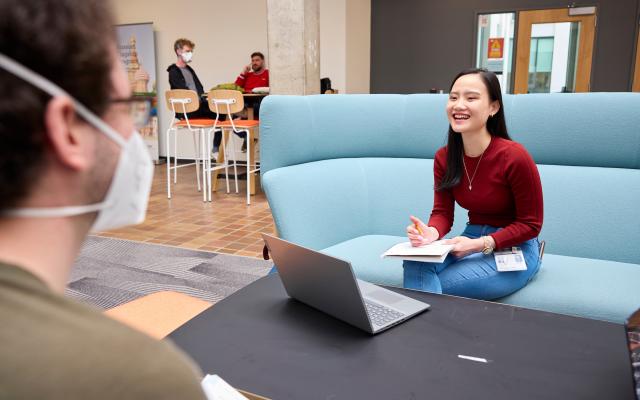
<point x="419" y="230"/>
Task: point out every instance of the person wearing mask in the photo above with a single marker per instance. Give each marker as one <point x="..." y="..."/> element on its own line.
<point x="71" y="162"/>
<point x="182" y="76"/>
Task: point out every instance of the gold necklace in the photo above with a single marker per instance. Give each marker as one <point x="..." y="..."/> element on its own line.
<point x="474" y="172"/>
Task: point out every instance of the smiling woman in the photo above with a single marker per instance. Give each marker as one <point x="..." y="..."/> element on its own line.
<point x="494" y="178"/>
<point x="475" y="105"/>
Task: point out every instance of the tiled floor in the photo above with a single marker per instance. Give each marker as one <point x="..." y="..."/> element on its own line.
<point x="226" y="225"/>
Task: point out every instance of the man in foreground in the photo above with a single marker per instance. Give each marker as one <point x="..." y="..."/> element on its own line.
<point x="70" y="162"/>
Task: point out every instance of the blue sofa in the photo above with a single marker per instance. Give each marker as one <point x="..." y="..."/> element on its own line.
<point x="342" y="174"/>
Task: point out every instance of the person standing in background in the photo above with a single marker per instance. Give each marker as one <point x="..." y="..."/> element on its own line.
<point x="182" y="76"/>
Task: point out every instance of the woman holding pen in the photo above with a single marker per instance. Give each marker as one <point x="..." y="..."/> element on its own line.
<point x="493" y="177"/>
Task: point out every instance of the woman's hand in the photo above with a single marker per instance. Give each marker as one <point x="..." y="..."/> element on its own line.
<point x="422" y="236"/>
<point x="463" y="246"/>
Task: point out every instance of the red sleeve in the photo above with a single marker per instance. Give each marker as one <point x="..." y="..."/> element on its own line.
<point x="242" y="78"/>
<point x="443" y="201"/>
<point x="267" y="72"/>
<point x="523" y="177"/>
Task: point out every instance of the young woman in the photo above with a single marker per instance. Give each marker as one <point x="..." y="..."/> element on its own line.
<point x="494" y="178"/>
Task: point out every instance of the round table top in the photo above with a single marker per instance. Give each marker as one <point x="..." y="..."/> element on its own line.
<point x="264" y="342"/>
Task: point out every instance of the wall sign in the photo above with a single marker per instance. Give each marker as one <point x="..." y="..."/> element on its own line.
<point x="496" y="48"/>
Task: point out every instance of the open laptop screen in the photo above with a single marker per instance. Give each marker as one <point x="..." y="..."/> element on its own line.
<point x="633" y="336"/>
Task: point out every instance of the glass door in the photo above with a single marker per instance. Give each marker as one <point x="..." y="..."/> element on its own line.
<point x="554" y="51"/>
<point x="495" y="45"/>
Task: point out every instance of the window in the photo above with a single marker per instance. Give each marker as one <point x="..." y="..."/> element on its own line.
<point x="540" y="64"/>
<point x="495" y="46"/>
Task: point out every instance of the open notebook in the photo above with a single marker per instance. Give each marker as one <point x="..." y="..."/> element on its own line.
<point x="434" y="252"/>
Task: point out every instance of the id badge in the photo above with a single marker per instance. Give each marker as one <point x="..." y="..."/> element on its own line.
<point x="510" y="260"/>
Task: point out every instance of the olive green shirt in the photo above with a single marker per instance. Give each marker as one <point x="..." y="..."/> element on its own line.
<point x="52" y="347"/>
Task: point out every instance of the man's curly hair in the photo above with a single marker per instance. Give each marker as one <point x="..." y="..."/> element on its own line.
<point x="70" y="43"/>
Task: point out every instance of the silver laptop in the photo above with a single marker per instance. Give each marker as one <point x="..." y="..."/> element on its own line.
<point x="329" y="285"/>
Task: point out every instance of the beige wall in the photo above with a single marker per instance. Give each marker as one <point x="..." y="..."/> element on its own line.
<point x="225" y="32"/>
<point x="345" y="44"/>
<point x="358" y="48"/>
<point x="333" y="52"/>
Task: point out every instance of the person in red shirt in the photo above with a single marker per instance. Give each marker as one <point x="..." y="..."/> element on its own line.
<point x="497" y="181"/>
<point x="253" y="76"/>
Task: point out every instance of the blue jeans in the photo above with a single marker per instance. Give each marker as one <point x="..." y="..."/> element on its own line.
<point x="474" y="276"/>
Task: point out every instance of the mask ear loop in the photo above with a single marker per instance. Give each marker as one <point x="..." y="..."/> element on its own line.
<point x="51" y="212"/>
<point x="54" y="90"/>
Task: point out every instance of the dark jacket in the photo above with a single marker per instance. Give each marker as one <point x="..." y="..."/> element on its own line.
<point x="176" y="79"/>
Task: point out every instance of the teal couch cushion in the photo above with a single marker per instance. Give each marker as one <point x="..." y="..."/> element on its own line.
<point x="592" y="212"/>
<point x="605" y="290"/>
<point x="322" y="203"/>
<point x="599" y="289"/>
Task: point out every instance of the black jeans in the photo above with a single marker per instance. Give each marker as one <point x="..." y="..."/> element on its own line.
<point x="255" y="103"/>
<point x="205" y="112"/>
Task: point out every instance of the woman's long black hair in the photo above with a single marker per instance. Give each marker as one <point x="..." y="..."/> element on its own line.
<point x="496" y="126"/>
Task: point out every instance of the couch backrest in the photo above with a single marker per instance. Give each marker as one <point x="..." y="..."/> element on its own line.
<point x="584" y="207"/>
<point x="580" y="129"/>
<point x="300" y="129"/>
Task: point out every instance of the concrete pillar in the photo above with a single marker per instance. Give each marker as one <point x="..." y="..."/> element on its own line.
<point x="293" y="34"/>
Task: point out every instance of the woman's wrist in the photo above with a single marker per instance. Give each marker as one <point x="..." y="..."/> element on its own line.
<point x="488" y="245"/>
<point x="478" y="245"/>
<point x="434" y="231"/>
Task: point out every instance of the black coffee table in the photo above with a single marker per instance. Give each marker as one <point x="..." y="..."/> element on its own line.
<point x="261" y="341"/>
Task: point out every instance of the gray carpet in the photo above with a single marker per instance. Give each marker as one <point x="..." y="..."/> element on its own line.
<point x="110" y="272"/>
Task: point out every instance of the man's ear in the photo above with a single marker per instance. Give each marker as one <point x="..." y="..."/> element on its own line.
<point x="64" y="133"/>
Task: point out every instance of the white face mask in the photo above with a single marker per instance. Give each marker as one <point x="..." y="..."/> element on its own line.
<point x="126" y="200"/>
<point x="187" y="56"/>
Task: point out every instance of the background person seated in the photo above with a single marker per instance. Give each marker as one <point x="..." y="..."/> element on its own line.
<point x="253" y="76"/>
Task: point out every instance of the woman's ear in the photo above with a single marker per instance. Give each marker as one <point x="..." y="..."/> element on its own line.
<point x="494" y="107"/>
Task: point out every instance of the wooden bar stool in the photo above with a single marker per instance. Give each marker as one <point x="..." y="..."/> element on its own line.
<point x="229" y="102"/>
<point x="186" y="101"/>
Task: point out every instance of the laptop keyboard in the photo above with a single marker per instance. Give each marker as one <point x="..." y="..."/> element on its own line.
<point x="381" y="315"/>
